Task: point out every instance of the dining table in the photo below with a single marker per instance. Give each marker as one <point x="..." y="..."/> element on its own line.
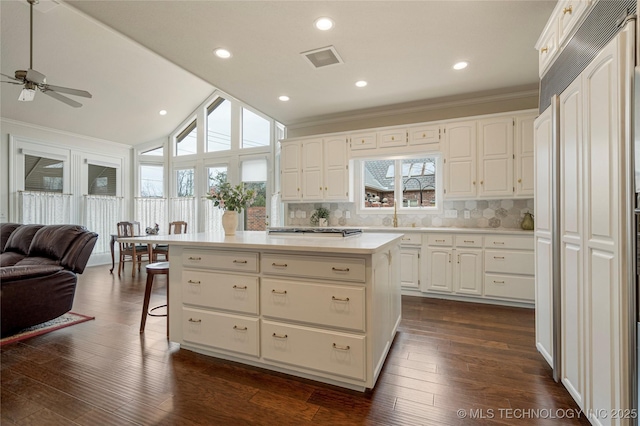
<point x="112" y="243"/>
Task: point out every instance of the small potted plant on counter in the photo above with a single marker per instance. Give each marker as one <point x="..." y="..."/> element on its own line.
<point x="320" y="217"/>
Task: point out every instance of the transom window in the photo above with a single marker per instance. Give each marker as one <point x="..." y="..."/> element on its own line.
<point x="256" y="131"/>
<point x="219" y="125"/>
<point x="415" y="188"/>
<point x="187" y="140"/>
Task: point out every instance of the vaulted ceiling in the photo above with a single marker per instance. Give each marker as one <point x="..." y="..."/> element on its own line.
<point x="138" y="57"/>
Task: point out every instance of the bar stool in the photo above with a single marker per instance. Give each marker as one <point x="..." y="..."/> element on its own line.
<point x="153" y="269"/>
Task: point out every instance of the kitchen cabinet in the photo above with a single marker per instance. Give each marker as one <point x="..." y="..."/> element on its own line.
<point x="460" y="160"/>
<point x="454" y="264"/>
<point x="393" y="138"/>
<point x="410" y="270"/>
<point x="315" y="169"/>
<point x="495" y="157"/>
<point x="524" y="156"/>
<point x="509" y="268"/>
<point x="363" y="141"/>
<point x="427" y="136"/>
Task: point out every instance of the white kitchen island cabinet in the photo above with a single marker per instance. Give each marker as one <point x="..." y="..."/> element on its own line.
<point x="323" y="308"/>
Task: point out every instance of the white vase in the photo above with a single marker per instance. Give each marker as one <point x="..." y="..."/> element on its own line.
<point x="230" y="222"/>
<point x="323" y="222"/>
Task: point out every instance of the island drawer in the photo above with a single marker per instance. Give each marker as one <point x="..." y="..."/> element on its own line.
<point x="218" y="259"/>
<point x="327" y="268"/>
<point x="220" y="291"/>
<point x="439" y="240"/>
<point x="341" y="306"/>
<point x="335" y="353"/>
<point x="508" y="242"/>
<point x="219" y="330"/>
<point x="509" y="262"/>
<point x="411" y="239"/>
<point x="509" y="287"/>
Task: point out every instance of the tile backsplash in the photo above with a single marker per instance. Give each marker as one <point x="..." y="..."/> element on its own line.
<point x="500" y="214"/>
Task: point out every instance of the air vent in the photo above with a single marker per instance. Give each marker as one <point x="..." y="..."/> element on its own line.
<point x="323" y="57"/>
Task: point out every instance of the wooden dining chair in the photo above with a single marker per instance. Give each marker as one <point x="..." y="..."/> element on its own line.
<point x="177" y="227"/>
<point x="130" y="251"/>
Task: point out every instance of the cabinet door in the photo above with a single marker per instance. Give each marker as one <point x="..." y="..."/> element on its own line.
<point x="336" y="169"/>
<point x="468" y="271"/>
<point x="290" y="171"/>
<point x="312" y="182"/>
<point x="425" y="135"/>
<point x="524" y="156"/>
<point x="439" y="269"/>
<point x="364" y="141"/>
<point x="410" y="268"/>
<point x="460" y="162"/>
<point x="390" y="138"/>
<point x="495" y="157"/>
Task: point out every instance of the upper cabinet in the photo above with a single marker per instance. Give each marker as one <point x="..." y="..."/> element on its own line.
<point x="315" y="169"/>
<point x="460" y="163"/>
<point x="524" y="155"/>
<point x="564" y="20"/>
<point x="495" y="157"/>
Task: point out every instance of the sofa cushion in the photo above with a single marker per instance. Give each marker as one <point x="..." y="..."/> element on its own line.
<point x="23" y="272"/>
<point x="10" y="258"/>
<point x="53" y="241"/>
<point x="20" y="240"/>
<point x="6" y="229"/>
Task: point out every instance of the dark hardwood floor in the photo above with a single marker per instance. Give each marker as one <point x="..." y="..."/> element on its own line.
<point x="447" y="356"/>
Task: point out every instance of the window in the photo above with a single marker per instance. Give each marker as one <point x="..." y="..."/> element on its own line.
<point x="102" y="180"/>
<point x="151" y="181"/>
<point x="187" y="140"/>
<point x="219" y="125"/>
<point x="43" y="174"/>
<point x="256" y="131"/>
<point x="254" y="176"/>
<point x="158" y="152"/>
<point x="415" y="187"/>
<point x="185" y="186"/>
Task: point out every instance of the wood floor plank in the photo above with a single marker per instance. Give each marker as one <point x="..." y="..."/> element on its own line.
<point x="447" y="356"/>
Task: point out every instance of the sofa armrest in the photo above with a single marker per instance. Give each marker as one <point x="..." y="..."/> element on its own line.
<point x="12" y="273"/>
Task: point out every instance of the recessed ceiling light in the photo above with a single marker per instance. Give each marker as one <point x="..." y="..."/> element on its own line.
<point x="323" y="24"/>
<point x="222" y="53"/>
<point x="163" y="112"/>
<point x="361" y="83"/>
<point x="460" y="65"/>
<point x="284" y="98"/>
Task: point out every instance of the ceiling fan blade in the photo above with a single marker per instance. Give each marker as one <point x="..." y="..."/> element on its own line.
<point x="68" y="90"/>
<point x="36" y="77"/>
<point x="62" y="98"/>
<point x="10" y="77"/>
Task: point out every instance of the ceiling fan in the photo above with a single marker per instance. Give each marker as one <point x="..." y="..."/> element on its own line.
<point x="33" y="81"/>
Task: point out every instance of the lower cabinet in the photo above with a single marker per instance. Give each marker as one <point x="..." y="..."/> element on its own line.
<point x="328" y="317"/>
<point x="410" y="270"/>
<point x="454" y="264"/>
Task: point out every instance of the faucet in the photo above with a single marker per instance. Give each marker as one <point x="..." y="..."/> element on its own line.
<point x="419" y="186"/>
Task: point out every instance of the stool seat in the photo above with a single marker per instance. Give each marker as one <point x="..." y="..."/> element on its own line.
<point x="153" y="269"/>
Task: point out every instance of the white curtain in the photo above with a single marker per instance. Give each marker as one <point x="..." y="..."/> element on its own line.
<point x="184" y="208"/>
<point x="101" y="214"/>
<point x="212" y="216"/>
<point x="149" y="211"/>
<point x="46" y="208"/>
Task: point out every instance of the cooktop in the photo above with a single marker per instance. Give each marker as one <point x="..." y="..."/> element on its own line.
<point x="316" y="232"/>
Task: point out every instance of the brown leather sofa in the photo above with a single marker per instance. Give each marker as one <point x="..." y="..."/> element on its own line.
<point x="38" y="267"/>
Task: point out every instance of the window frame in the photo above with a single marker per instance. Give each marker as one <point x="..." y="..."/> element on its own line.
<point x="359" y="192"/>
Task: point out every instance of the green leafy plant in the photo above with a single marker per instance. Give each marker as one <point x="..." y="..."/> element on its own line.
<point x="229" y="197"/>
<point x="320" y="213"/>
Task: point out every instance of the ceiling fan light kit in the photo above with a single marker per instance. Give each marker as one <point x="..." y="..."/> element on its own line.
<point x="33" y="80"/>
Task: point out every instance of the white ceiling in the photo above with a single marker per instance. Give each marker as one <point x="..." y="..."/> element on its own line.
<point x="404" y="49"/>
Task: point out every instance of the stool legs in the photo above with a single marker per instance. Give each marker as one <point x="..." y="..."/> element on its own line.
<point x="153" y="269"/>
<point x="147" y="296"/>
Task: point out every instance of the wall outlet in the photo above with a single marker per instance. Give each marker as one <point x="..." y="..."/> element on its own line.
<point x="347" y="214"/>
<point x="292" y="214"/>
<point x="467" y="214"/>
<point x="451" y="214"/>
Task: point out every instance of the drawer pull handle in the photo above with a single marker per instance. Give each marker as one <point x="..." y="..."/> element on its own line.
<point x="194" y="258"/>
<point x="274" y="291"/>
<point x="498" y="257"/>
<point x="240" y="287"/>
<point x="498" y="282"/>
<point x="279" y="336"/>
<point x="279" y="265"/>
<point x="193" y="282"/>
<point x="192" y="320"/>
<point x="568" y="10"/>
<point x="239" y="261"/>
<point x="458" y="258"/>
<point x="500" y="243"/>
<point x="469" y="241"/>
<point x="235" y="327"/>
<point x="341" y="348"/>
<point x="338" y="299"/>
<point x="439" y="241"/>
<point x="340" y="269"/>
<point x="449" y="257"/>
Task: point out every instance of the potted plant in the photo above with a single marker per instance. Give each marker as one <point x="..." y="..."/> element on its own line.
<point x="320" y="217"/>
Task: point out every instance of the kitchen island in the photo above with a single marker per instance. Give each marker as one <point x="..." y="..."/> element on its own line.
<point x="323" y="308"/>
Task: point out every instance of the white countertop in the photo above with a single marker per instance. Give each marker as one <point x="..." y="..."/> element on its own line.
<point x="441" y="230"/>
<point x="365" y="243"/>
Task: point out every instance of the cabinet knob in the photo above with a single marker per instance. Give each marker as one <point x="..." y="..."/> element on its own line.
<point x="544" y="50"/>
<point x="519" y="180"/>
<point x="320" y="188"/>
<point x="481" y="182"/>
<point x="474" y="182"/>
<point x="326" y="189"/>
<point x="424" y="135"/>
<point x="362" y="141"/>
<point x="393" y="138"/>
<point x="567" y="10"/>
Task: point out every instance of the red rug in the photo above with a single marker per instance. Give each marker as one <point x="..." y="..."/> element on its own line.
<point x="66" y="320"/>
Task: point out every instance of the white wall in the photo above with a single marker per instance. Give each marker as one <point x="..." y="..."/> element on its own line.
<point x="77" y="144"/>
